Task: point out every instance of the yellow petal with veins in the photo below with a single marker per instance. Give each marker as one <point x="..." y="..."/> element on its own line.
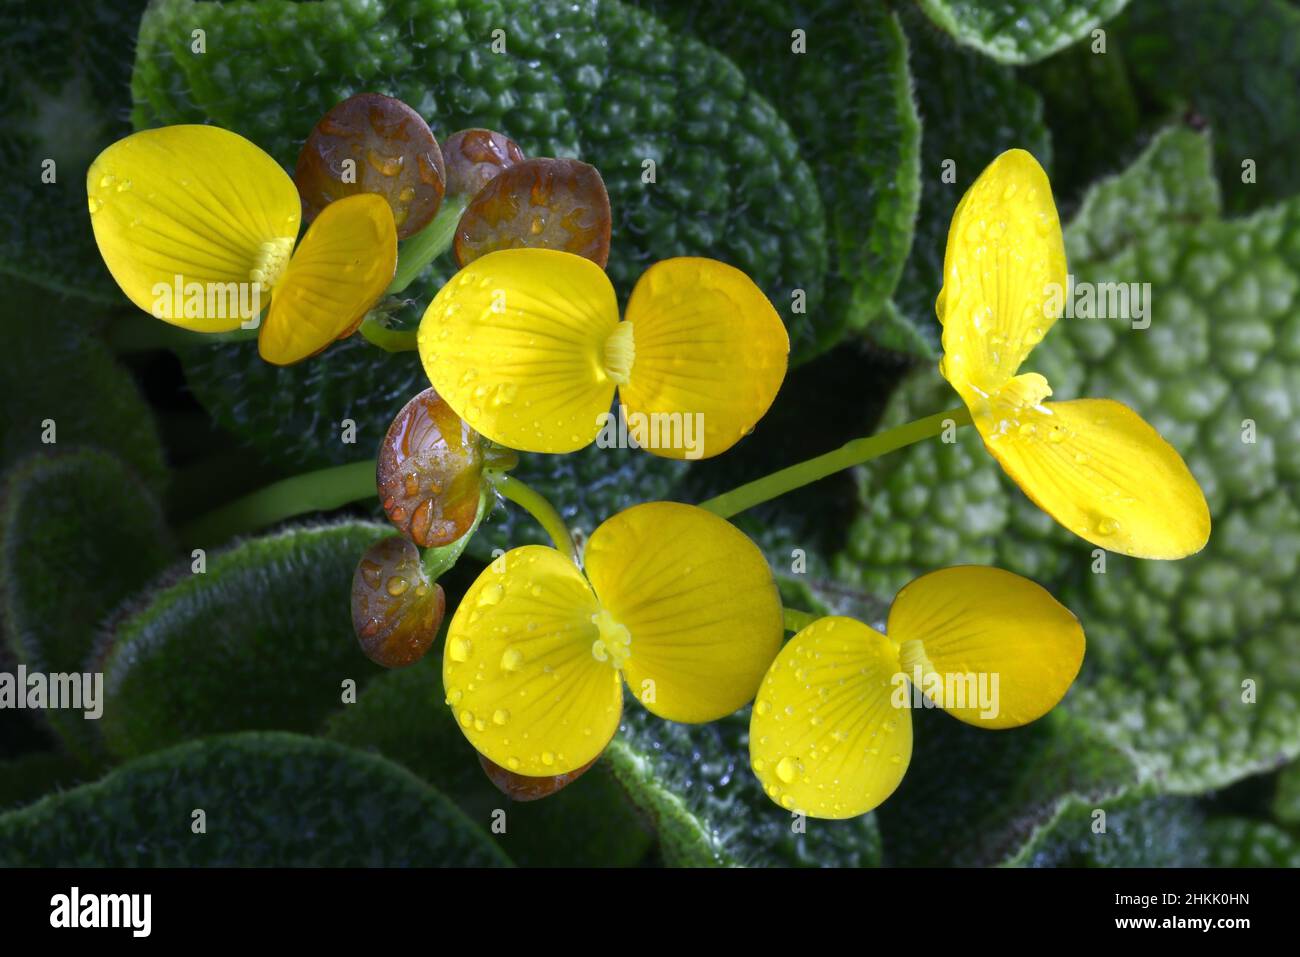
<point x="831" y="733"/>
<point x="991" y="648"/>
<point x="516" y="344"/>
<point x="1100" y="470"/>
<point x="709" y="353"/>
<point x="184" y="216"/>
<point x="699" y="604"/>
<point x="518" y="668"/>
<point x="1004" y="275"/>
<point x="343" y="265"/>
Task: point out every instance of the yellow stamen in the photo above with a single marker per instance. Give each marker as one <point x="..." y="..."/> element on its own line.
<point x="620" y="353"/>
<point x="272" y="256"/>
<point x="615" y="642"/>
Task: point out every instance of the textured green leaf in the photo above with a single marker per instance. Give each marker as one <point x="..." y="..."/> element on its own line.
<point x="1020" y="31"/>
<point x="1286" y="802"/>
<point x="269" y="799"/>
<point x="262" y="640"/>
<point x="1140" y="831"/>
<point x="403" y="716"/>
<point x="1237" y="842"/>
<point x="1234" y="63"/>
<point x="597" y="80"/>
<point x="974" y="797"/>
<point x="971" y="110"/>
<point x="64" y="96"/>
<point x="78" y="534"/>
<point x="695" y="783"/>
<point x="55" y="367"/>
<point x="1169" y="643"/>
<point x="864" y="151"/>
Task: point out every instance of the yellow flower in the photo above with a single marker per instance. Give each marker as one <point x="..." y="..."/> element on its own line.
<point x="831" y="733"/>
<point x="675" y="601"/>
<point x="198" y="227"/>
<point x="1092" y="464"/>
<point x="527" y="346"/>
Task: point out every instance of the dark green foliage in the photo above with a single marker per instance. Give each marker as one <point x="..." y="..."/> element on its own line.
<point x="267" y="799"/>
<point x="261" y="640"/>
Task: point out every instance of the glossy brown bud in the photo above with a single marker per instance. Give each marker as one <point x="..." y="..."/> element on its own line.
<point x="372" y="143"/>
<point x="396" y="610"/>
<point x="540" y="203"/>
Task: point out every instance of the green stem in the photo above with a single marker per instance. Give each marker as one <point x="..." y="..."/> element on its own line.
<point x="378" y="333"/>
<point x="852" y="453"/>
<point x="428" y="244"/>
<point x="796" y="620"/>
<point x="536" y="505"/>
<point x="319" y="491"/>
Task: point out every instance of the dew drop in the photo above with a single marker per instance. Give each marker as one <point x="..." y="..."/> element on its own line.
<point x="787" y="769"/>
<point x="459" y="649"/>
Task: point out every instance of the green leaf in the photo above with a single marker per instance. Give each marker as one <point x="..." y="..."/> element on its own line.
<point x="864" y="152"/>
<point x="971" y="110"/>
<point x="56" y="368"/>
<point x="268" y="800"/>
<point x="64" y="96"/>
<point x="1246" y="87"/>
<point x="1020" y="31"/>
<point x="79" y="533"/>
<point x="403" y="716"/>
<point x="1238" y="842"/>
<point x="1140" y="831"/>
<point x="974" y="797"/>
<point x="261" y="640"/>
<point x="1175" y="649"/>
<point x="695" y="783"/>
<point x="1286" y="802"/>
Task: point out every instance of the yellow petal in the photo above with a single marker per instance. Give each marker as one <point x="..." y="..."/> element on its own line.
<point x="709" y="354"/>
<point x="515" y="343"/>
<point x="345" y="262"/>
<point x="195" y="202"/>
<point x="700" y="604"/>
<point x="518" y="669"/>
<point x="1003" y="275"/>
<point x="1101" y="471"/>
<point x="991" y="648"/>
<point x="831" y="734"/>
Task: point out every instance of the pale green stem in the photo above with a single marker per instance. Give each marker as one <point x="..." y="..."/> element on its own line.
<point x="796" y="620"/>
<point x="428" y="244"/>
<point x="853" y="453"/>
<point x="536" y="505"/>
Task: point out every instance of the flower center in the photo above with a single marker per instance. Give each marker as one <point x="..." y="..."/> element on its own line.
<point x="620" y="353"/>
<point x="911" y="655"/>
<point x="1015" y="408"/>
<point x="272" y="256"/>
<point x="615" y="642"/>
